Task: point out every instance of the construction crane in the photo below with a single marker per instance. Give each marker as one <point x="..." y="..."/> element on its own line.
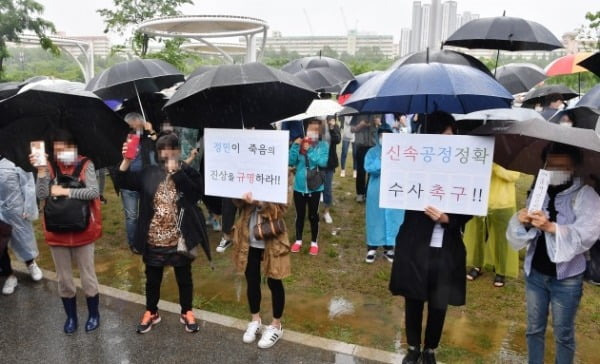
<point x="310" y="28"/>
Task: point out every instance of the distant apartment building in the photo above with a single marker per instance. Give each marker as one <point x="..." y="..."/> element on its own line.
<point x="404" y="44"/>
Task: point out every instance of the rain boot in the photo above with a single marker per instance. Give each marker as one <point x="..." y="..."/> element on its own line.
<point x="70" y="305"/>
<point x="93" y="320"/>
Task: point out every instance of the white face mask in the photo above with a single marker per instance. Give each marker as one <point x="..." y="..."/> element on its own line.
<point x="558" y="178"/>
<point x="539" y="109"/>
<point x="566" y="123"/>
<point x="67" y="156"/>
<point x="312" y="135"/>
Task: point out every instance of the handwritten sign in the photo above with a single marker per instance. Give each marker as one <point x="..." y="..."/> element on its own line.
<point x="536" y="203"/>
<point x="240" y="161"/>
<point x="450" y="172"/>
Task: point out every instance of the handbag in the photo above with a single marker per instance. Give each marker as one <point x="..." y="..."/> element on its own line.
<point x="63" y="214"/>
<point x="269" y="228"/>
<point x="5" y="234"/>
<point x="315" y="178"/>
<point x="181" y="245"/>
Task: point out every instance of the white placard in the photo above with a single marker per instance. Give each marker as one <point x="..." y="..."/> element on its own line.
<point x="536" y="203"/>
<point x="239" y="161"/>
<point x="449" y="172"/>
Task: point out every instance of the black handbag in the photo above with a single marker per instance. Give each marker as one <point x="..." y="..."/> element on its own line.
<point x="5" y="234"/>
<point x="315" y="178"/>
<point x="63" y="214"/>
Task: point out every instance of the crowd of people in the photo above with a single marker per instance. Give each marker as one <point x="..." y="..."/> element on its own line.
<point x="432" y="253"/>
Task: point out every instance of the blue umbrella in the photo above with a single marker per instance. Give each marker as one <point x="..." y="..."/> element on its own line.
<point x="427" y="87"/>
<point x="358" y="81"/>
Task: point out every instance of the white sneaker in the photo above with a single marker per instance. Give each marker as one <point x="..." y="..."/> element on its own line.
<point x="9" y="285"/>
<point x="343" y="173"/>
<point x="354" y="174"/>
<point x="216" y="225"/>
<point x="327" y="218"/>
<point x="270" y="336"/>
<point x="371" y="255"/>
<point x="251" y="332"/>
<point x="223" y="245"/>
<point x="35" y="272"/>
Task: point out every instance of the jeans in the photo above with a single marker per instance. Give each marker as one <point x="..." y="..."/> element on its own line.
<point x="130" y="206"/>
<point x="563" y="296"/>
<point x="327" y="191"/>
<point x="345" y="146"/>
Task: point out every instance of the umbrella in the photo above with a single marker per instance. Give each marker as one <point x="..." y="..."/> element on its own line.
<point x="321" y="79"/>
<point x="318" y="108"/>
<point x="519" y="144"/>
<point x="8" y="89"/>
<point x="538" y="94"/>
<point x="427" y="87"/>
<point x="468" y="122"/>
<point x="337" y="67"/>
<point x="40" y="107"/>
<point x="442" y="56"/>
<point x="591" y="98"/>
<point x="592" y="63"/>
<point x="200" y="70"/>
<point x="581" y="116"/>
<point x="238" y="96"/>
<point x="519" y="77"/>
<point x="358" y="81"/>
<point x="131" y="78"/>
<point x="568" y="65"/>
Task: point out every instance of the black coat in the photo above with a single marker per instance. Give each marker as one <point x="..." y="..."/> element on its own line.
<point x="411" y="259"/>
<point x="188" y="183"/>
<point x="336" y="138"/>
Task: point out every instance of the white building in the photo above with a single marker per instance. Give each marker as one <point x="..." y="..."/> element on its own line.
<point x="404" y="44"/>
<point x="415" y="36"/>
<point x="425" y="27"/>
<point x="435" y="25"/>
<point x="449" y="19"/>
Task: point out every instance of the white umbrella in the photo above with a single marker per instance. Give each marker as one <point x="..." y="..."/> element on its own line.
<point x="317" y="108"/>
<point x="514" y="114"/>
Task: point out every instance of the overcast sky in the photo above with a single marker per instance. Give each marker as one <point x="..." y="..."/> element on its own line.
<point x="79" y="17"/>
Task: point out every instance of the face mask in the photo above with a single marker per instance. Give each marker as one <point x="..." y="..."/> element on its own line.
<point x="539" y="109"/>
<point x="566" y="123"/>
<point x="312" y="135"/>
<point x="67" y="156"/>
<point x="558" y="178"/>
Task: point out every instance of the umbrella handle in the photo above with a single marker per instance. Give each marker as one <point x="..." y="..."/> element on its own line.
<point x="139" y="101"/>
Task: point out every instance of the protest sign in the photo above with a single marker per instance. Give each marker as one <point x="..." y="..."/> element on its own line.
<point x="539" y="191"/>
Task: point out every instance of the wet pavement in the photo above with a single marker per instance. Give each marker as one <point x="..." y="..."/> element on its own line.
<point x="31" y="323"/>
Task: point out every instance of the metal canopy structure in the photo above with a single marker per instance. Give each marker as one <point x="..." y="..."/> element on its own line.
<point x="232" y="49"/>
<point x="72" y="47"/>
<point x="204" y="27"/>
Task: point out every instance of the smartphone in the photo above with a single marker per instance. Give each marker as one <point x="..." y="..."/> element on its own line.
<point x="132" y="146"/>
<point x="38" y="150"/>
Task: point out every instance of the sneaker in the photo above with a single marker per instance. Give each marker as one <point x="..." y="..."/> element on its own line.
<point x="314" y="249"/>
<point x="270" y="336"/>
<point x="412" y="356"/>
<point x="216" y="225"/>
<point x="9" y="285"/>
<point x="148" y="320"/>
<point x="371" y="254"/>
<point x="354" y="174"/>
<point x="223" y="245"/>
<point x="189" y="321"/>
<point x="296" y="246"/>
<point x="327" y="218"/>
<point x="35" y="272"/>
<point x="389" y="255"/>
<point x="251" y="332"/>
<point x="360" y="198"/>
<point x="343" y="173"/>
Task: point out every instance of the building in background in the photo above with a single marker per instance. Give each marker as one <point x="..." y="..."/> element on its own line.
<point x="415" y="34"/>
<point x="404" y="44"/>
<point x="101" y="43"/>
<point x="449" y="19"/>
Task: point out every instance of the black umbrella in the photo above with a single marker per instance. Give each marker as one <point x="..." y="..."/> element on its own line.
<point x="200" y="70"/>
<point x="358" y="81"/>
<point x="537" y="95"/>
<point x="519" y="77"/>
<point x="321" y="79"/>
<point x="336" y="66"/>
<point x="238" y="96"/>
<point x="519" y="145"/>
<point x="443" y="56"/>
<point x="591" y="98"/>
<point x="581" y="116"/>
<point x="592" y="63"/>
<point x="8" y="89"/>
<point x="40" y="107"/>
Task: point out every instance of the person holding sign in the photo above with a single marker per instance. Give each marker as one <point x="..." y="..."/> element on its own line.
<point x="556" y="237"/>
<point x="309" y="156"/>
<point x="259" y="235"/>
<point x="429" y="265"/>
<point x="485" y="237"/>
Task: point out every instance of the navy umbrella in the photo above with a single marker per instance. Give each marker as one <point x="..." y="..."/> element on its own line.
<point x="358" y="81"/>
<point x="427" y="87"/>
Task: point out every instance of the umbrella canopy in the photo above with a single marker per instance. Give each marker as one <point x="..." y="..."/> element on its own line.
<point x="519" y="144"/>
<point x="567" y="65"/>
<point x="581" y="117"/>
<point x="591" y="98"/>
<point x="427" y="87"/>
<point x="200" y="70"/>
<point x="128" y="79"/>
<point x="358" y="81"/>
<point x="442" y="56"/>
<point x="335" y="66"/>
<point x="592" y="63"/>
<point x="470" y="121"/>
<point x="321" y="79"/>
<point x="238" y="96"/>
<point x="8" y="89"/>
<point x="537" y="95"/>
<point x="40" y="107"/>
<point x="519" y="77"/>
<point x="504" y="32"/>
<point x="318" y="108"/>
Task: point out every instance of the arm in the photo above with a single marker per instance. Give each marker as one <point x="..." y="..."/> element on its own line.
<point x="517" y="234"/>
<point x="90" y="191"/>
<point x="505" y="174"/>
<point x="319" y="155"/>
<point x="373" y="162"/>
<point x="27" y="184"/>
<point x="189" y="182"/>
<point x="294" y="154"/>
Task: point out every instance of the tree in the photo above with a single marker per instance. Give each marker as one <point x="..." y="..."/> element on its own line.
<point x="594" y="25"/>
<point x="127" y="13"/>
<point x="17" y="16"/>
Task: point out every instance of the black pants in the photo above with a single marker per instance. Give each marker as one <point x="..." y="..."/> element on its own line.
<point x="253" y="285"/>
<point x="361" y="174"/>
<point x="300" y="202"/>
<point x="385" y="247"/>
<point x="228" y="209"/>
<point x="183" y="275"/>
<point x="5" y="267"/>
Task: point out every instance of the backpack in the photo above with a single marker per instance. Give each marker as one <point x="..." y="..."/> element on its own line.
<point x="63" y="214"/>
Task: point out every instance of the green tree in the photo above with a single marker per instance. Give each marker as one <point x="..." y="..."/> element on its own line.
<point x="17" y="16"/>
<point x="594" y="25"/>
<point x="128" y="13"/>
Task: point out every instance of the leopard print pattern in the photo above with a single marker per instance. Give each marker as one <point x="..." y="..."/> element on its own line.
<point x="163" y="230"/>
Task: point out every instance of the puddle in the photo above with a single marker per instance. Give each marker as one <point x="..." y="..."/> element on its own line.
<point x="339" y="306"/>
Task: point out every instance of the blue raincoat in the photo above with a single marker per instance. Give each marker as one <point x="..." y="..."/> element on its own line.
<point x="18" y="207"/>
<point x="318" y="155"/>
<point x="382" y="224"/>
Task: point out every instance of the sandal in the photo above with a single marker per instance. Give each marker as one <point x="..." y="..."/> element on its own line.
<point x="474" y="273"/>
<point x="499" y="281"/>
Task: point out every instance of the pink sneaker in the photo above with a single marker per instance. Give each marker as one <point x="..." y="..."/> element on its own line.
<point x="296" y="247"/>
<point x="314" y="250"/>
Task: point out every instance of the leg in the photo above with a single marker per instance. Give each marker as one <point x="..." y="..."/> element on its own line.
<point x="183" y="275"/>
<point x="277" y="297"/>
<point x="361" y="176"/>
<point x="538" y="299"/>
<point x="435" y="325"/>
<point x="253" y="281"/>
<point x="565" y="296"/>
<point x="345" y="145"/>
<point x="413" y="318"/>
<point x="313" y="215"/>
<point x="5" y="266"/>
<point x="354" y="156"/>
<point x="300" y="205"/>
<point x="62" y="257"/>
<point x="153" y="280"/>
<point x="229" y="211"/>
<point x="84" y="256"/>
<point x="101" y="178"/>
<point x="130" y="207"/>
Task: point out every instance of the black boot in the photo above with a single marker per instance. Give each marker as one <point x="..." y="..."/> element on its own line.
<point x="70" y="305"/>
<point x="93" y="320"/>
<point x="429" y="356"/>
<point x="412" y="356"/>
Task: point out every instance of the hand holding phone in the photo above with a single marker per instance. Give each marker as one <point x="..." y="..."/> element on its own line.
<point x="38" y="154"/>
